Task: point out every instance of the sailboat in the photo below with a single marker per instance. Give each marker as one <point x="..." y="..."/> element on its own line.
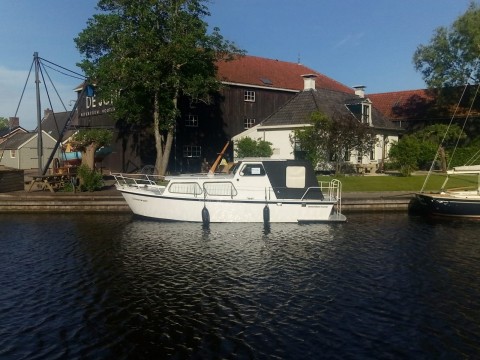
<point x="454" y="203"/>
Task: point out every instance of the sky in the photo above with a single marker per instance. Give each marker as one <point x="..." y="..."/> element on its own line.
<point x="355" y="42"/>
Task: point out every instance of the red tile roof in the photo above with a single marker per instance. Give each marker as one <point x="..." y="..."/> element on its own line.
<point x="257" y="71"/>
<point x="403" y="104"/>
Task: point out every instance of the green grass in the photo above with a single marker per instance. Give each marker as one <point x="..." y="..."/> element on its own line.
<point x="398" y="183"/>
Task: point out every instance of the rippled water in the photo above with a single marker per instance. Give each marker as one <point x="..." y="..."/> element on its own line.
<point x="384" y="286"/>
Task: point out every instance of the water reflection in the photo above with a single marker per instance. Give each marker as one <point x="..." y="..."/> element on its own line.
<point x="381" y="285"/>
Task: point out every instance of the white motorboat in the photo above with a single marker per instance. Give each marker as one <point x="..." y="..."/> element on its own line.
<point x="256" y="190"/>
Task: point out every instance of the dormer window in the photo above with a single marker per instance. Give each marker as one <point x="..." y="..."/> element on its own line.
<point x="366" y="118"/>
<point x="362" y="111"/>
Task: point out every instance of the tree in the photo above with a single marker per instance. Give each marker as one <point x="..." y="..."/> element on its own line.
<point x="451" y="57"/>
<point x="88" y="141"/>
<point x="333" y="139"/>
<point x="247" y="147"/>
<point x="418" y="150"/>
<point x="3" y="123"/>
<point x="147" y="54"/>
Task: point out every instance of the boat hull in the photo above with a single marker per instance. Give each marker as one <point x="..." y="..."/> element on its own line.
<point x="460" y="205"/>
<point x="229" y="211"/>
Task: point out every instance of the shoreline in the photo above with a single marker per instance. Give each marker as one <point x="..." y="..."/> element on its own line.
<point x="109" y="199"/>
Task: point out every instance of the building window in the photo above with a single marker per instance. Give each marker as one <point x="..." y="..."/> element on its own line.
<point x="192" y="151"/>
<point x="366" y="114"/>
<point x="359" y="157"/>
<point x="372" y="153"/>
<point x="191" y="121"/>
<point x="249" y="95"/>
<point x="13" y="154"/>
<point x="248" y="123"/>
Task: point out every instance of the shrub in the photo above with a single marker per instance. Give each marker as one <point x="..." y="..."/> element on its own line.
<point x="247" y="147"/>
<point x="90" y="180"/>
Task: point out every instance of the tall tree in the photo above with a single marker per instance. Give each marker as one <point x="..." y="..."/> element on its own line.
<point x="333" y="139"/>
<point x="148" y="53"/>
<point x="452" y="56"/>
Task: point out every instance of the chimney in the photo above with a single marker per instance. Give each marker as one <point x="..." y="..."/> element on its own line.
<point x="309" y="82"/>
<point x="360" y="90"/>
<point x="13" y="122"/>
<point x="46" y="112"/>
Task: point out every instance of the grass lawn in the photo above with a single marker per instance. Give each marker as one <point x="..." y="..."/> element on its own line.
<point x="398" y="183"/>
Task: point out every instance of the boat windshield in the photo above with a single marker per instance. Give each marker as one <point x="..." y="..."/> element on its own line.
<point x="235" y="168"/>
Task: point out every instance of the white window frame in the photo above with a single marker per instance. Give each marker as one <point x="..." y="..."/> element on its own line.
<point x="249" y="96"/>
<point x="366" y="113"/>
<point x="192" y="151"/>
<point x="248" y="123"/>
<point x="191" y="121"/>
<point x="13" y="153"/>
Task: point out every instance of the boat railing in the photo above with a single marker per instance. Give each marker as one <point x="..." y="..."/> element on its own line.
<point x="332" y="190"/>
<point x="137" y="180"/>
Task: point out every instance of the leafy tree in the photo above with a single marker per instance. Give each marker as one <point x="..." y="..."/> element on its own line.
<point x="247" y="147"/>
<point x="147" y="54"/>
<point x="334" y="138"/>
<point x="88" y="141"/>
<point x="405" y="153"/>
<point x="3" y="123"/>
<point x="418" y="150"/>
<point x="451" y="57"/>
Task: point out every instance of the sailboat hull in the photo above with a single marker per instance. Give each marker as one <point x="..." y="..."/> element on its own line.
<point x="464" y="204"/>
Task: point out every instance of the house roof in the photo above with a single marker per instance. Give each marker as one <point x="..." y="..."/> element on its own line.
<point x="7" y="132"/>
<point x="17" y="140"/>
<point x="298" y="110"/>
<point x="53" y="123"/>
<point x="425" y="104"/>
<point x="403" y="105"/>
<point x="262" y="72"/>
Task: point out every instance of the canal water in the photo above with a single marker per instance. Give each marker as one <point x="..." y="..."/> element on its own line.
<point x="111" y="286"/>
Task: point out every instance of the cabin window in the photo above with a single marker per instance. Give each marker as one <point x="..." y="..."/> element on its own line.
<point x="248" y="123"/>
<point x="295" y="177"/>
<point x="253" y="170"/>
<point x="191" y="121"/>
<point x="192" y="151"/>
<point x="13" y="154"/>
<point x="220" y="189"/>
<point x="249" y="96"/>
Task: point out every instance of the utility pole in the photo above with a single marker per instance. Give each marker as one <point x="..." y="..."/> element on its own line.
<point x="39" y="114"/>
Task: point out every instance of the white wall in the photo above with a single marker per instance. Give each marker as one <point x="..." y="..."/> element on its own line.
<point x="283" y="148"/>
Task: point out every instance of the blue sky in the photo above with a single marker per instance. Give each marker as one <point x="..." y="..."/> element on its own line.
<point x="368" y="42"/>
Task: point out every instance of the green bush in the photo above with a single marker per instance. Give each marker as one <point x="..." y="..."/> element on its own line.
<point x="247" y="147"/>
<point x="90" y="180"/>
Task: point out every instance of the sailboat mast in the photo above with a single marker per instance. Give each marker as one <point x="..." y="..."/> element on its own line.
<point x="39" y="113"/>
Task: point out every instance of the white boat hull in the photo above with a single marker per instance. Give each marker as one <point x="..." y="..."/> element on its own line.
<point x="224" y="211"/>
